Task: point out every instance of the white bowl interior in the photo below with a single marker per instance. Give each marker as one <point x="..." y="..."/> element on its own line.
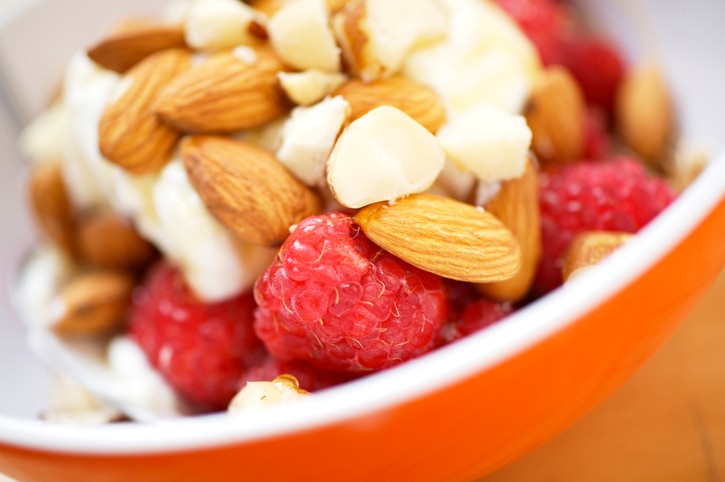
<point x="687" y="43"/>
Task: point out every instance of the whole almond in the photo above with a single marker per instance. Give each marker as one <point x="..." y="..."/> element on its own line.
<point x="51" y="206"/>
<point x="92" y="303"/>
<point x="246" y="188"/>
<point x="516" y="205"/>
<point x="130" y="134"/>
<point x="126" y="47"/>
<point x="109" y="240"/>
<point x="413" y="98"/>
<point x="446" y="237"/>
<point x="556" y="116"/>
<point x="589" y="248"/>
<point x="230" y="91"/>
<point x="643" y="112"/>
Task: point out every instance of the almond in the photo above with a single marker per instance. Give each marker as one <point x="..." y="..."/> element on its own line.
<point x="129" y="133"/>
<point x="246" y="188"/>
<point x="643" y="112"/>
<point x="231" y="91"/>
<point x="51" y="205"/>
<point x="446" y="237"/>
<point x="108" y="240"/>
<point x="126" y="47"/>
<point x="516" y="205"/>
<point x="92" y="303"/>
<point x="556" y="115"/>
<point x="589" y="248"/>
<point x="416" y="100"/>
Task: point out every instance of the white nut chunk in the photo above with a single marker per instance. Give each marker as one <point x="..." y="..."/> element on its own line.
<point x="259" y="395"/>
<point x="301" y="36"/>
<point x="308" y="137"/>
<point x="382" y="156"/>
<point x="212" y="25"/>
<point x="310" y="86"/>
<point x="490" y="143"/>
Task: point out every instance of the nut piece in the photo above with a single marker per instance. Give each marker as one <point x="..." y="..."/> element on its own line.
<point x="516" y="205"/>
<point x="589" y="248"/>
<point x="51" y="205"/>
<point x="382" y="156"/>
<point x="125" y="48"/>
<point x="375" y="42"/>
<point x="556" y="115"/>
<point x="301" y="36"/>
<point x="212" y="25"/>
<point x="310" y="86"/>
<point x="643" y="111"/>
<point x="490" y="143"/>
<point x="129" y="133"/>
<point x="443" y="236"/>
<point x="258" y="395"/>
<point x="246" y="188"/>
<point x="416" y="100"/>
<point x="231" y="91"/>
<point x="108" y="240"/>
<point x="93" y="303"/>
<point x="270" y="7"/>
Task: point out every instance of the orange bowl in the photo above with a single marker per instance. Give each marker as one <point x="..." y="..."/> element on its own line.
<point x="457" y="413"/>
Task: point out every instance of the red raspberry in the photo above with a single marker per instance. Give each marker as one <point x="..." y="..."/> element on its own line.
<point x="201" y="349"/>
<point x="597" y="140"/>
<point x="338" y="300"/>
<point x="545" y="23"/>
<point x="309" y="377"/>
<point x="615" y="195"/>
<point x="478" y="315"/>
<point x="598" y="68"/>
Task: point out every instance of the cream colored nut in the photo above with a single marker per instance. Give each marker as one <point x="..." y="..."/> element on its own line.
<point x="484" y="58"/>
<point x="93" y="303"/>
<point x="282" y="390"/>
<point x="382" y="156"/>
<point x="270" y="7"/>
<point x="213" y="25"/>
<point x="308" y="137"/>
<point x="643" y="111"/>
<point x="310" y="86"/>
<point x="70" y="403"/>
<point x="446" y="237"/>
<point x="490" y="143"/>
<point x="454" y="183"/>
<point x="375" y="42"/>
<point x="589" y="248"/>
<point x="44" y="138"/>
<point x="300" y="34"/>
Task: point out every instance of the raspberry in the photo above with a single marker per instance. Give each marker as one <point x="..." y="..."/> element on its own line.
<point x="309" y="377"/>
<point x="545" y="23"/>
<point x="597" y="141"/>
<point x="615" y="195"/>
<point x="477" y="315"/>
<point x="201" y="349"/>
<point x="597" y="67"/>
<point x="336" y="299"/>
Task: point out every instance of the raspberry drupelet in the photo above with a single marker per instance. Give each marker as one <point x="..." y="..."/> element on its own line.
<point x="334" y="298"/>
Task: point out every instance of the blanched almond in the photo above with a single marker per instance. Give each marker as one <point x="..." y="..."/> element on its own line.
<point x="230" y="91"/>
<point x="246" y="188"/>
<point x="127" y="46"/>
<point x="516" y="205"/>
<point x="556" y="115"/>
<point x="51" y="205"/>
<point x="416" y="100"/>
<point x="108" y="240"/>
<point x="589" y="248"/>
<point x="443" y="236"/>
<point x="129" y="133"/>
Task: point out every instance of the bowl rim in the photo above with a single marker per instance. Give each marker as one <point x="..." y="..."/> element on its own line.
<point x="441" y="368"/>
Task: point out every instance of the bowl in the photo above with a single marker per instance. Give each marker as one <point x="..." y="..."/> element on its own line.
<point x="455" y="414"/>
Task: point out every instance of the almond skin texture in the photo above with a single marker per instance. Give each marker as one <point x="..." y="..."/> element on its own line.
<point x="228" y="92"/>
<point x="125" y="48"/>
<point x="589" y="248"/>
<point x="129" y="133"/>
<point x="93" y="303"/>
<point x="108" y="240"/>
<point x="446" y="237"/>
<point x="556" y="116"/>
<point x="516" y="205"/>
<point x="416" y="100"/>
<point x="246" y="188"/>
<point x="51" y="206"/>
